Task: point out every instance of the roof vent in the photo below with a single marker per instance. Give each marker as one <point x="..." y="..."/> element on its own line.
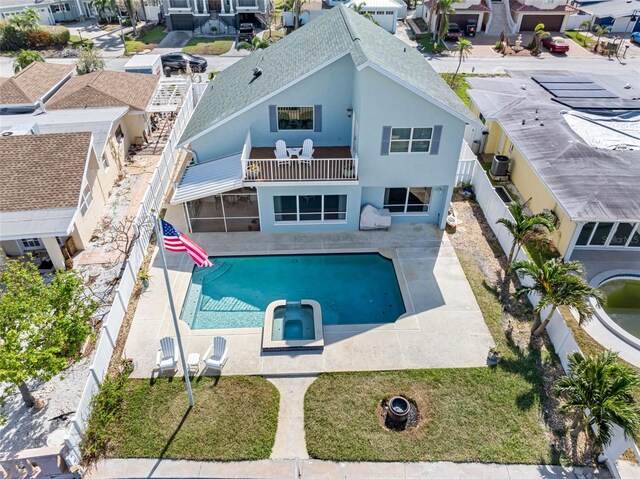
<point x="7" y="133"/>
<point x="523" y="86"/>
<point x="256" y="72"/>
<point x="627" y="86"/>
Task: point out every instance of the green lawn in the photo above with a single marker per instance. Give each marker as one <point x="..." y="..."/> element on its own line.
<point x="234" y="418"/>
<point x="147" y="42"/>
<point x="208" y="45"/>
<point x="460" y="87"/>
<point x="472" y="414"/>
<point x="580" y="38"/>
<point x="75" y="42"/>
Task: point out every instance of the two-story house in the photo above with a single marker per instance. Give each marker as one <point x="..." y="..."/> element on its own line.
<point x="218" y="14"/>
<point x="383" y="127"/>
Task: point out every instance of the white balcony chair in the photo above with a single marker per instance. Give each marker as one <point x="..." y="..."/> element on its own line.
<point x="307" y="152"/>
<point x="282" y="155"/>
<point x="166" y="357"/>
<point x="217" y="354"/>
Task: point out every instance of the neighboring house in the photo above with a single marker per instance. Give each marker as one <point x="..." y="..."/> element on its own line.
<point x="205" y="14"/>
<point x="574" y="151"/>
<point x="51" y="11"/>
<point x="31" y="87"/>
<point x="106" y="89"/>
<point x="385" y="12"/>
<point x="510" y="16"/>
<point x="310" y="10"/>
<point x="388" y="133"/>
<point x="52" y="190"/>
<point x="621" y="16"/>
<point x="108" y="126"/>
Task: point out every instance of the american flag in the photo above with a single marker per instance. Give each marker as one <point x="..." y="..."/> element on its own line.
<point x="177" y="242"/>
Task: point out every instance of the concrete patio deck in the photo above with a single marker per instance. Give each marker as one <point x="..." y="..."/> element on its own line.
<point x="443" y="326"/>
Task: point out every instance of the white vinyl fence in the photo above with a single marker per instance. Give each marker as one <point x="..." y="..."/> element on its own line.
<point x="559" y="332"/>
<point x="152" y="200"/>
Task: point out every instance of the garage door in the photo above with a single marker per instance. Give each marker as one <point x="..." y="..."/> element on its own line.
<point x="462" y="19"/>
<point x="181" y="22"/>
<point x="552" y="23"/>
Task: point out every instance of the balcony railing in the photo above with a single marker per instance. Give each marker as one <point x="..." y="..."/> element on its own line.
<point x="329" y="163"/>
<point x="247" y="3"/>
<point x="179" y="4"/>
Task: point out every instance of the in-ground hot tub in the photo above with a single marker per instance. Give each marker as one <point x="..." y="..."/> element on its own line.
<point x="293" y="325"/>
<point x="621" y="311"/>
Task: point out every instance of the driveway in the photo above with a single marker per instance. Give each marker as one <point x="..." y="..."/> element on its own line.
<point x="175" y="39"/>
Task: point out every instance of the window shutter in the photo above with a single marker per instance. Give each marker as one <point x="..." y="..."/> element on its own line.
<point x="386" y="141"/>
<point x="317" y="117"/>
<point x="435" y="140"/>
<point x="273" y="118"/>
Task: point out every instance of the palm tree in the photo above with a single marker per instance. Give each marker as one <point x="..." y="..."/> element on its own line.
<point x="558" y="284"/>
<point x="586" y="25"/>
<point x="103" y="8"/>
<point x="603" y="385"/>
<point x="444" y="8"/>
<point x="462" y="50"/>
<point x="359" y="8"/>
<point x="295" y="6"/>
<point x="130" y="5"/>
<point x="599" y="31"/>
<point x="256" y="43"/>
<point x="524" y="228"/>
<point x="29" y="19"/>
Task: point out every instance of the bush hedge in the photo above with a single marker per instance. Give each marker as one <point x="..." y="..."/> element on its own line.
<point x="12" y="38"/>
<point x="38" y="39"/>
<point x="59" y="35"/>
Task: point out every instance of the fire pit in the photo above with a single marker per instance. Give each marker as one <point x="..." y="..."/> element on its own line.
<point x="399" y="408"/>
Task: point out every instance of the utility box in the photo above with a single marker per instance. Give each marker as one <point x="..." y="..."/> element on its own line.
<point x="151" y="64"/>
<point x="500" y="165"/>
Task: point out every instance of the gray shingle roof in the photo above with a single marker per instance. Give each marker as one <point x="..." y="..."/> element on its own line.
<point x="337" y="32"/>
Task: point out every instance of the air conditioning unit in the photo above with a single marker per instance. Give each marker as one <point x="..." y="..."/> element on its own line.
<point x="17" y="131"/>
<point x="500" y="165"/>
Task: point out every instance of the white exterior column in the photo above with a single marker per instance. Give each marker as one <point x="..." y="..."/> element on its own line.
<point x="231" y="6"/>
<point x="54" y="252"/>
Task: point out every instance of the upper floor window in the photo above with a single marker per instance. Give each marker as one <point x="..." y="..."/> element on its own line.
<point x="295" y="118"/>
<point x="87" y="198"/>
<point x="410" y="140"/>
<point x="62" y="7"/>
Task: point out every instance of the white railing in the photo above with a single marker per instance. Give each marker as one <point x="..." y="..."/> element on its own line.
<point x="317" y="169"/>
<point x="510" y="22"/>
<point x="559" y="332"/>
<point x="486" y="28"/>
<point x="466" y="164"/>
<point x="152" y="200"/>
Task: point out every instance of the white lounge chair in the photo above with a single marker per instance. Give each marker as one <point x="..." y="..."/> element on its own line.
<point x="166" y="357"/>
<point x="217" y="354"/>
<point x="282" y="155"/>
<point x="307" y="152"/>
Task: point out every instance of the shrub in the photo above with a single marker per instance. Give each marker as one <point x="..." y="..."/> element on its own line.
<point x="12" y="39"/>
<point x="38" y="38"/>
<point x="59" y="35"/>
<point x="89" y="61"/>
<point x="26" y="58"/>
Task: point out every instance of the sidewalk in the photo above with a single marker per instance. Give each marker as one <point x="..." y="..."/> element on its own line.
<point x="316" y="469"/>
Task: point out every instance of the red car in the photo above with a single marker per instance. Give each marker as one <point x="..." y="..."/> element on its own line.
<point x="555" y="44"/>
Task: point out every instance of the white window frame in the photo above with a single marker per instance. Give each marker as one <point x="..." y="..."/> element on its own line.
<point x="607" y="244"/>
<point x="313" y="120"/>
<point x="104" y="161"/>
<point x="322" y="212"/>
<point x="410" y="140"/>
<point x="30" y="244"/>
<point x="406" y="202"/>
<point x="87" y="199"/>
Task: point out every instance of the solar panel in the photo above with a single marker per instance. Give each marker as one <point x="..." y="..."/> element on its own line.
<point x="561" y="79"/>
<point x="582" y="94"/>
<point x="571" y="86"/>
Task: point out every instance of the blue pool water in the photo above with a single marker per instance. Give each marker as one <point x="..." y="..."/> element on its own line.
<point x="351" y="289"/>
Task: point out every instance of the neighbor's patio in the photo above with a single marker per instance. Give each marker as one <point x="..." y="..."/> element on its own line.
<point x="443" y="326"/>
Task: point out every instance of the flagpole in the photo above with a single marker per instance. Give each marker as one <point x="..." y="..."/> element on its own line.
<point x="174" y="317"/>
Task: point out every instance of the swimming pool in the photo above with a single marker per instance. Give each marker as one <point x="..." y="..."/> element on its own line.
<point x="623" y="303"/>
<point x="351" y="289"/>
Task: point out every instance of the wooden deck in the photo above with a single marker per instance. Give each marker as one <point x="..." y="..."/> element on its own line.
<point x="319" y="152"/>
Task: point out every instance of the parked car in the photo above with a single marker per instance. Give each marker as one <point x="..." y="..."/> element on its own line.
<point x="555" y="44"/>
<point x="246" y="32"/>
<point x="454" y="33"/>
<point x="635" y="37"/>
<point x="179" y="60"/>
<point x="470" y="29"/>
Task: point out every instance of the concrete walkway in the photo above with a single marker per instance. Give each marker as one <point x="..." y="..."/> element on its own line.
<point x="315" y="469"/>
<point x="290" y="440"/>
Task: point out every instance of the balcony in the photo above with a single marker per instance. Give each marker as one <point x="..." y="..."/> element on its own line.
<point x="179" y="4"/>
<point x="329" y="163"/>
<point x="246" y="4"/>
